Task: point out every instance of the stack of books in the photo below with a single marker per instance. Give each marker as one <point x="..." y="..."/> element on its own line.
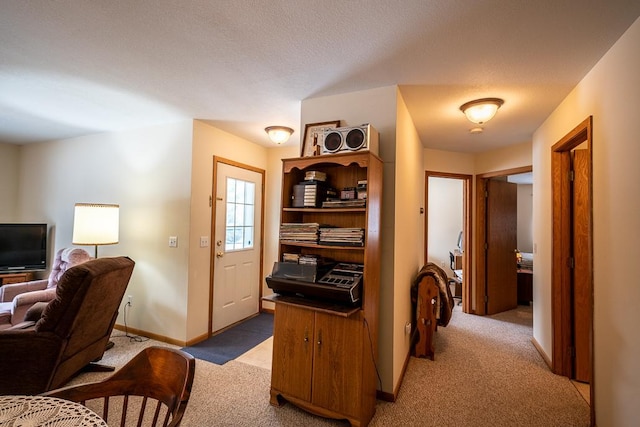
<point x="299" y="232"/>
<point x="341" y="236"/>
<point x="315" y="176"/>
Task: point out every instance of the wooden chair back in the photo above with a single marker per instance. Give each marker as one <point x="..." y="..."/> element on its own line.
<point x="154" y="387"/>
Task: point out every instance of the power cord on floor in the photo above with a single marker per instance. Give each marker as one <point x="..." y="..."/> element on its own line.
<point x="373" y="356"/>
<point x="132" y="338"/>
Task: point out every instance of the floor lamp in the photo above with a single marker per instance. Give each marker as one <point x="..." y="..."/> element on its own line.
<point x="96" y="224"/>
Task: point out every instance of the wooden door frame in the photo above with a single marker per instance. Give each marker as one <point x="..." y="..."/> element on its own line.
<point x="217" y="160"/>
<point x="481" y="233"/>
<point x="466" y="263"/>
<point x="561" y="299"/>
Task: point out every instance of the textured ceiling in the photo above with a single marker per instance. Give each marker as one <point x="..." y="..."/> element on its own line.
<point x="74" y="67"/>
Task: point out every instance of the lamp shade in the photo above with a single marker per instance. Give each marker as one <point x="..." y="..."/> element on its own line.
<point x="481" y="110"/>
<point x="96" y="224"/>
<point x="279" y="134"/>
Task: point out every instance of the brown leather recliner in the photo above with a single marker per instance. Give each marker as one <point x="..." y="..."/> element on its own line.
<point x="17" y="298"/>
<point x="72" y="331"/>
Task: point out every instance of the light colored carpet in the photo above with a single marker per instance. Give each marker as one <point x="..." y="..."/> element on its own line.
<point x="486" y="372"/>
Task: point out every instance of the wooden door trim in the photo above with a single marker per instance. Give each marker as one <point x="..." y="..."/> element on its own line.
<point x="481" y="231"/>
<point x="214" y="191"/>
<point x="467" y="283"/>
<point x="561" y="360"/>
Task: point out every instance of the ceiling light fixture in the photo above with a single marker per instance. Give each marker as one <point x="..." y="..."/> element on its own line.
<point x="482" y="110"/>
<point x="278" y="134"/>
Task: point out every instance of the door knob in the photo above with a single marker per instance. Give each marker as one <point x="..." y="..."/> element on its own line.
<point x="219" y="254"/>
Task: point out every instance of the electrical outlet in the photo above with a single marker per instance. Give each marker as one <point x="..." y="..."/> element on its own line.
<point x="407" y="328"/>
<point x="130" y="300"/>
<point x="173" y="241"/>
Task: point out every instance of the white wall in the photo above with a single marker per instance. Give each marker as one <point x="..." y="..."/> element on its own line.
<point x="378" y="107"/>
<point x="525" y="217"/>
<point x="446" y="218"/>
<point x="9" y="161"/>
<point x="609" y="92"/>
<point x="148" y="173"/>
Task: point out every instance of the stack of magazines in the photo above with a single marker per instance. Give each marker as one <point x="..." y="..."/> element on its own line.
<point x="299" y="232"/>
<point x="341" y="236"/>
<point x="353" y="203"/>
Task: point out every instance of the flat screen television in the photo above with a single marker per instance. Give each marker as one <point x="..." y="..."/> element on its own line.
<point x="23" y="247"/>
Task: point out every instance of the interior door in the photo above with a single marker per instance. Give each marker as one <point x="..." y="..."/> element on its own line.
<point x="236" y="279"/>
<point x="582" y="265"/>
<point x="501" y="239"/>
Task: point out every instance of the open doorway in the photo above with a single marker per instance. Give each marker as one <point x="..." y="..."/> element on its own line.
<point x="448" y="230"/>
<point x="499" y="282"/>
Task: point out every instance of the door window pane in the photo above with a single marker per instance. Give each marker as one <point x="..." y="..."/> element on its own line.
<point x="240" y="213"/>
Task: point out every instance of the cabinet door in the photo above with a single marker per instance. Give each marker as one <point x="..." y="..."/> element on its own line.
<point x="337" y="364"/>
<point x="292" y="351"/>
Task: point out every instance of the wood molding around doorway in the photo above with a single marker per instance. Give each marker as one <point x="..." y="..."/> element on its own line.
<point x="467" y="284"/>
<point x="562" y="272"/>
<point x="481" y="232"/>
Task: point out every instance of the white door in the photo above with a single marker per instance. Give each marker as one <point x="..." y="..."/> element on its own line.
<point x="236" y="248"/>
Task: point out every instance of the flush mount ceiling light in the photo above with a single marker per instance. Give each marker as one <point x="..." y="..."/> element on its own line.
<point x="278" y="134"/>
<point x="482" y="110"/>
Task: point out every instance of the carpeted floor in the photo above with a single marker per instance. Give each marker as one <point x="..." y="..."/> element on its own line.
<point x="230" y="344"/>
<point x="486" y="372"/>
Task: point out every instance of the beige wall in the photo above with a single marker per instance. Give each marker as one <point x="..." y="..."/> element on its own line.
<point x="510" y="157"/>
<point x="449" y="161"/>
<point x="148" y="173"/>
<point x="609" y="92"/>
<point x="209" y="141"/>
<point x="9" y="161"/>
<point x="408" y="231"/>
<point x="273" y="196"/>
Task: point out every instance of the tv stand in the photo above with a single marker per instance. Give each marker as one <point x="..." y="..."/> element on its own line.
<point x="15" y="277"/>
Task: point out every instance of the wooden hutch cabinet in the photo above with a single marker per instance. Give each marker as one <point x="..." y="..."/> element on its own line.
<point x="324" y="354"/>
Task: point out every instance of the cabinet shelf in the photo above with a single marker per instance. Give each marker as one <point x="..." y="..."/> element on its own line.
<point x="326" y="210"/>
<point x="315" y="305"/>
<point x="317" y="246"/>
